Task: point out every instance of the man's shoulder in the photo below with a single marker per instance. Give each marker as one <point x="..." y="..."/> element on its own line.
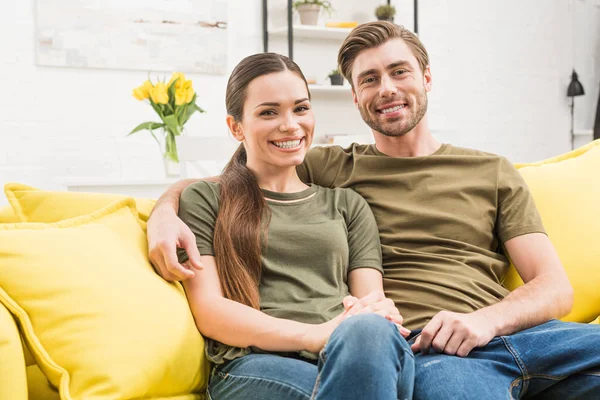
<point x="465" y="151"/>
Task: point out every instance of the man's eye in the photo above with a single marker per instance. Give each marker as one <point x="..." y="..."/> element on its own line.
<point x="399" y="72"/>
<point x="369" y="80"/>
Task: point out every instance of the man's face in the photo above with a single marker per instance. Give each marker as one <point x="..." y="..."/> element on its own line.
<point x="389" y="88"/>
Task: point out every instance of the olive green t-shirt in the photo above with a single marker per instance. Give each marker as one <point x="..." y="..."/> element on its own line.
<point x="442" y="221"/>
<point x="312" y="245"/>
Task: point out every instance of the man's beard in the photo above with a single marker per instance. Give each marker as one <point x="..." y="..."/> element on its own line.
<point x="398" y="128"/>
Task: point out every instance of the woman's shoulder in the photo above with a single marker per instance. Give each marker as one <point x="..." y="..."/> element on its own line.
<point x="202" y="190"/>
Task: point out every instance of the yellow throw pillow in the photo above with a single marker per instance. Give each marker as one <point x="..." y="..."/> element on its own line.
<point x="566" y="190"/>
<point x="7" y="215"/>
<point x="34" y="205"/>
<point x="99" y="321"/>
<point x="13" y="380"/>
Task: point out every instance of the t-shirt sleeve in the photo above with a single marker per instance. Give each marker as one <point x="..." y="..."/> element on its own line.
<point x="322" y="165"/>
<point x="198" y="208"/>
<point x="517" y="214"/>
<point x="363" y="235"/>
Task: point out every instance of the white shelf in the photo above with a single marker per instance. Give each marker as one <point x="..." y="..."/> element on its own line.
<point x="329" y="89"/>
<point x="313" y="32"/>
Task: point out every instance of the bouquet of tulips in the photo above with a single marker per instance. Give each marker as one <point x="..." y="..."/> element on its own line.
<point x="174" y="102"/>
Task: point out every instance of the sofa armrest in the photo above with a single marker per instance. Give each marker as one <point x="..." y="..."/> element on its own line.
<point x="13" y="376"/>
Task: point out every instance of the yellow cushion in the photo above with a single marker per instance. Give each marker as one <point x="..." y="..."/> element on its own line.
<point x="99" y="321"/>
<point x="13" y="382"/>
<point x="7" y="215"/>
<point x="34" y="205"/>
<point x="566" y="190"/>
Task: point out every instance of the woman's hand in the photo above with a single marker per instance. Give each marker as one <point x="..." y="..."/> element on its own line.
<point x="316" y="336"/>
<point x="376" y="303"/>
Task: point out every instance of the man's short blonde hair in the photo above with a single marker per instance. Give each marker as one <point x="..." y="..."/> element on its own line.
<point x="373" y="34"/>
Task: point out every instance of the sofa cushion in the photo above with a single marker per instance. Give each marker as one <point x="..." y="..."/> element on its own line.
<point x="98" y="320"/>
<point x="567" y="194"/>
<point x="13" y="381"/>
<point x="7" y="215"/>
<point x="34" y="205"/>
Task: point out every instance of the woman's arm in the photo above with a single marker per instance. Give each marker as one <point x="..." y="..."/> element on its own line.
<point x="238" y="325"/>
<point x="362" y="281"/>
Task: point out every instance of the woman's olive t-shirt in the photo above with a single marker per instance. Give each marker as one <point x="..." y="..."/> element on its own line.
<point x="313" y="240"/>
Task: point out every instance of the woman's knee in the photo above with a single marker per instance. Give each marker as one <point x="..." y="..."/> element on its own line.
<point x="371" y="333"/>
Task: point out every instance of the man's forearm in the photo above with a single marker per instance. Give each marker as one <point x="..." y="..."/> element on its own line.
<point x="532" y="304"/>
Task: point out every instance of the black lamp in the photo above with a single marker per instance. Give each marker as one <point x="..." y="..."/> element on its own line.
<point x="575" y="89"/>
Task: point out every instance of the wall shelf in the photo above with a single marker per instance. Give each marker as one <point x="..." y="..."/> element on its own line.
<point x="313" y="32"/>
<point x="329" y="89"/>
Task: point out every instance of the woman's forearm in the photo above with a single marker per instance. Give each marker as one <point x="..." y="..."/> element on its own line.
<point x="238" y="325"/>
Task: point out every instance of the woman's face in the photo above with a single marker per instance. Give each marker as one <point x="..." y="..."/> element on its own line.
<point x="278" y="124"/>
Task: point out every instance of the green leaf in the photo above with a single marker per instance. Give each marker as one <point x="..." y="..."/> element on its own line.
<point x="146" y="125"/>
<point x="172" y="125"/>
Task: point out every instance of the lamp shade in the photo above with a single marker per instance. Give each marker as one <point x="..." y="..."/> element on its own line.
<point x="575" y="87"/>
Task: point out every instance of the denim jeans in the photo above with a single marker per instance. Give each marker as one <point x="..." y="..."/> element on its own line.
<point x="555" y="360"/>
<point x="365" y="358"/>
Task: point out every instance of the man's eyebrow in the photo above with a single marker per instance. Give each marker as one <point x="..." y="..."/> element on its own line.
<point x="395" y="64"/>
<point x="399" y="63"/>
<point x="268" y="104"/>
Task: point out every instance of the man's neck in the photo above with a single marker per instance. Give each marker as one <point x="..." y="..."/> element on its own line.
<point x="417" y="143"/>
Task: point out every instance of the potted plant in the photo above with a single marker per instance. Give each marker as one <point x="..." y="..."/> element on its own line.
<point x="385" y="12"/>
<point x="309" y="10"/>
<point x="174" y="102"/>
<point x="336" y="77"/>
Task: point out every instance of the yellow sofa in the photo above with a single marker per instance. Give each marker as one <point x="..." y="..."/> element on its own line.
<point x="565" y="188"/>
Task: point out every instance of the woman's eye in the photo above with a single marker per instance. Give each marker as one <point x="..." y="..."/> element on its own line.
<point x="302" y="108"/>
<point x="267" y="113"/>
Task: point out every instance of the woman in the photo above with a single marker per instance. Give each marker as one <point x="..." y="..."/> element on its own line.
<point x="280" y="257"/>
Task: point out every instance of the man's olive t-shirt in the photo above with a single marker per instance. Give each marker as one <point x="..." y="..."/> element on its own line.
<point x="313" y="241"/>
<point x="442" y="221"/>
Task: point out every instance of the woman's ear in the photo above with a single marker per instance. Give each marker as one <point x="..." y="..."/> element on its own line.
<point x="235" y="128"/>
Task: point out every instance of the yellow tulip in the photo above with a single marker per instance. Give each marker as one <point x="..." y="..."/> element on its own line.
<point x="143" y="92"/>
<point x="159" y="93"/>
<point x="180" y="79"/>
<point x="184" y="94"/>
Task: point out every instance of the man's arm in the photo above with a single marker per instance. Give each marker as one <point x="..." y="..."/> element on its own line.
<point x="166" y="232"/>
<point x="547" y="294"/>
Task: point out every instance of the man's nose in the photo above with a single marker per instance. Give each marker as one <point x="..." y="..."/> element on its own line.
<point x="387" y="87"/>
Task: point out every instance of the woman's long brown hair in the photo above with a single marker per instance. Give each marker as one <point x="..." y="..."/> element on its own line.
<point x="244" y="216"/>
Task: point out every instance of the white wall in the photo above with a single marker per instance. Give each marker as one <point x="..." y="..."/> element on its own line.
<point x="500" y="69"/>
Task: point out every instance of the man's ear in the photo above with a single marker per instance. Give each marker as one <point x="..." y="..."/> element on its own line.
<point x="427" y="79"/>
<point x="235" y="128"/>
<point x="354" y="98"/>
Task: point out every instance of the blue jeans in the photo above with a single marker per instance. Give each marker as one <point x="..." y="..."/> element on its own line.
<point x="365" y="358"/>
<point x="555" y="360"/>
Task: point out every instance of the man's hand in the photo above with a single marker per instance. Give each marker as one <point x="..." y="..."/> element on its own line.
<point x="166" y="233"/>
<point x="454" y="333"/>
<point x="376" y="303"/>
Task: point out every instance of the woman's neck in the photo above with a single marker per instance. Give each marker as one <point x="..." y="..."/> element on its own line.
<point x="277" y="179"/>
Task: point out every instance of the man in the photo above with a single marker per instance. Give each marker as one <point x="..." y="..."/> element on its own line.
<point x="444" y="215"/>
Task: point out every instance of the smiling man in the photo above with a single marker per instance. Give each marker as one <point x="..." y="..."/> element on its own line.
<point x="446" y="216"/>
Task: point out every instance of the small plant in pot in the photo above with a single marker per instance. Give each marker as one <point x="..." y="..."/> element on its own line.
<point x="336" y="77"/>
<point x="385" y="12"/>
<point x="309" y="10"/>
